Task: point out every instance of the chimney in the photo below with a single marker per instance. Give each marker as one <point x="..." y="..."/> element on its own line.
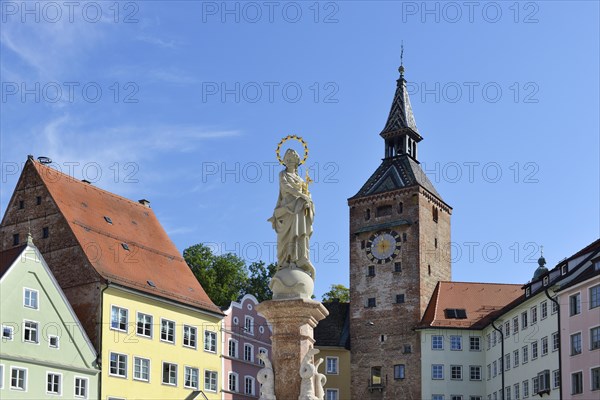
<point x="144" y="202"/>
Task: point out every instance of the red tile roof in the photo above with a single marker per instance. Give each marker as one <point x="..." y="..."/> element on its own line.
<point x="152" y="256"/>
<point x="481" y="301"/>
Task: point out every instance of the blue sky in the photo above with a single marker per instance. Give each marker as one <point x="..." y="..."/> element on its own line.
<point x="184" y="102"/>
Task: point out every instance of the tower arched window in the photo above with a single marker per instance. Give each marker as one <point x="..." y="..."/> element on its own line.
<point x="368" y="214"/>
<point x="400" y="207"/>
<point x="434" y="212"/>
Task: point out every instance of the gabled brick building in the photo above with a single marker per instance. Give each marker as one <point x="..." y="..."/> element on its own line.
<point x="134" y="294"/>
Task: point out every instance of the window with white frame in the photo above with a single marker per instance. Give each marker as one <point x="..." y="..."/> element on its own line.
<point x="81" y="387"/>
<point x="575" y="304"/>
<point x="455" y="342"/>
<point x="474" y="397"/>
<point x="232" y="348"/>
<point x="507" y="362"/>
<point x="233" y="382"/>
<point x="525" y="352"/>
<point x="594" y="296"/>
<point x="554" y="308"/>
<point x="210" y="381"/>
<point x="577" y="383"/>
<point x="534" y="315"/>
<point x="53" y="383"/>
<point x="53" y="341"/>
<point x="248" y="352"/>
<point x="534" y="350"/>
<point x="332" y="365"/>
<point x="494" y="368"/>
<point x="262" y="350"/>
<point x="489" y="371"/>
<point x="524" y="320"/>
<point x="525" y="386"/>
<point x="517" y="391"/>
<point x="456" y="397"/>
<point x="595" y="378"/>
<point x="18" y="378"/>
<point x="437" y="397"/>
<point x="555" y="341"/>
<point x="118" y="365"/>
<point x="437" y="342"/>
<point x="249" y="385"/>
<point x="399" y="371"/>
<point x="515" y="325"/>
<point x="169" y="374"/>
<point x="249" y="325"/>
<point x="488" y="338"/>
<point x="437" y="371"/>
<point x="331" y="394"/>
<point x="506" y="329"/>
<point x="141" y="369"/>
<point x="210" y="341"/>
<point x="30" y="332"/>
<point x="544" y="309"/>
<point x="507" y="393"/>
<point x="30" y="298"/>
<point x="144" y="325"/>
<point x="190" y="376"/>
<point x="556" y="378"/>
<point x="474" y="343"/>
<point x="576" y="344"/>
<point x="494" y="337"/>
<point x="544" y="345"/>
<point x="118" y="318"/>
<point x="189" y="336"/>
<point x="595" y="338"/>
<point x="8" y="332"/>
<point x="167" y="331"/>
<point x="475" y="372"/>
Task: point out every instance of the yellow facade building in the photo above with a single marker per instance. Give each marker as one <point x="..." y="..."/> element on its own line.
<point x="332" y="338"/>
<point x="149" y="319"/>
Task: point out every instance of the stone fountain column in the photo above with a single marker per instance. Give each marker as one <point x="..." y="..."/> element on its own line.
<point x="293" y="322"/>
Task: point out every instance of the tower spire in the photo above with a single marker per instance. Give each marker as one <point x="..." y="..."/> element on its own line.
<point x="400" y="132"/>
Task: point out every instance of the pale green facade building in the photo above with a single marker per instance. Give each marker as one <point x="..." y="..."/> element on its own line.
<point x="44" y="352"/>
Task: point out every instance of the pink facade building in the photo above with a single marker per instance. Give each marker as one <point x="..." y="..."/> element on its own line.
<point x="245" y="335"/>
<point x="579" y="299"/>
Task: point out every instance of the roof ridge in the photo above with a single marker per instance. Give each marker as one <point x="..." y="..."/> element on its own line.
<point x="485" y="283"/>
<point x="79" y="181"/>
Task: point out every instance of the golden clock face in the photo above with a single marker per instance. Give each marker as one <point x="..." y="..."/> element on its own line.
<point x="383" y="246"/>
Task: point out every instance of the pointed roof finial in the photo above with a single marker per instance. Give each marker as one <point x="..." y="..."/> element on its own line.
<point x="401" y="69"/>
<point x="29" y="236"/>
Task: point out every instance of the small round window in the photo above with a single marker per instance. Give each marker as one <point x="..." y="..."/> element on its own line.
<point x="235" y="320"/>
<point x="261" y="329"/>
<point x="249" y="306"/>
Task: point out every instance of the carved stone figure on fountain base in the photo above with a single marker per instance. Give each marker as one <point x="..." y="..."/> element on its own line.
<point x="266" y="379"/>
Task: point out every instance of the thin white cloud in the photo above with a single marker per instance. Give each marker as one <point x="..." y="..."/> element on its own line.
<point x="170" y="44"/>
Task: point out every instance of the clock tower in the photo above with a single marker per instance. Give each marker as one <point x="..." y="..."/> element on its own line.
<point x="399" y="250"/>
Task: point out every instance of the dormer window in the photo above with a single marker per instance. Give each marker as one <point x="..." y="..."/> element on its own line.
<point x="108" y="220"/>
<point x="546" y="280"/>
<point x="528" y="291"/>
<point x="564" y="269"/>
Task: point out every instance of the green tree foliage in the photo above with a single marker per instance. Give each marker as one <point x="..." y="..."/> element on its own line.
<point x="223" y="277"/>
<point x="337" y="292"/>
<point x="258" y="280"/>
